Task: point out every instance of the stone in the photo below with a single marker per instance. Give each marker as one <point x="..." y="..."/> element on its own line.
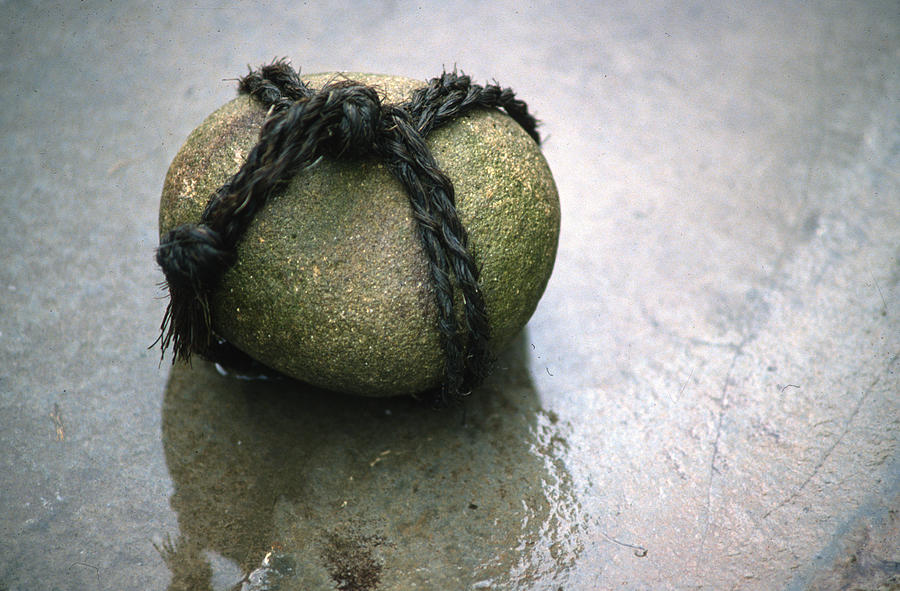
<point x="331" y="285"/>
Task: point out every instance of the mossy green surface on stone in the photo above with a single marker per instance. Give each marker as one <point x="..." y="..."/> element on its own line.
<point x="332" y="285"/>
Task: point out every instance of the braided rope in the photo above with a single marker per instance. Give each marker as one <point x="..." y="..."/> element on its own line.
<point x="342" y="118"/>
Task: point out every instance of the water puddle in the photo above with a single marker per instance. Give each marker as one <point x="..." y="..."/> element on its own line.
<point x="297" y="488"/>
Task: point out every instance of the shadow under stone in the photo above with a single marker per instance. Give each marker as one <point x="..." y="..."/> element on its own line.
<point x="303" y="488"/>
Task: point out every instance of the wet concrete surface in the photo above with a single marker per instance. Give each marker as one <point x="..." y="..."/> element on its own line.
<point x="707" y="396"/>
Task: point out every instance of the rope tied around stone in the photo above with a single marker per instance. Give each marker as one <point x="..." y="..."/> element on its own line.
<point x="342" y="119"/>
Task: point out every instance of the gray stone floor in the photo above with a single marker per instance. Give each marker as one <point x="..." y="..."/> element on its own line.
<point x="707" y="396"/>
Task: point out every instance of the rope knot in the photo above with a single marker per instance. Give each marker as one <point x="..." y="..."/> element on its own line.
<point x="193" y="258"/>
<point x="193" y="255"/>
<point x="356" y="132"/>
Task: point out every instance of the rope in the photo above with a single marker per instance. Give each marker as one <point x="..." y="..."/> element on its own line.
<point x="343" y="119"/>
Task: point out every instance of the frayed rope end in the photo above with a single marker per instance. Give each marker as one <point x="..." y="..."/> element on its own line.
<point x="193" y="258"/>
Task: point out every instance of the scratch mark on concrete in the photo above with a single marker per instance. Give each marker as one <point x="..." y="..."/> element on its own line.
<point x="883" y="303"/>
<point x="723" y="405"/>
<point x="683" y="386"/>
<point x="860" y="401"/>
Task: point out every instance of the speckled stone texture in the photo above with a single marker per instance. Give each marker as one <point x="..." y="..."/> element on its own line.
<point x="331" y="284"/>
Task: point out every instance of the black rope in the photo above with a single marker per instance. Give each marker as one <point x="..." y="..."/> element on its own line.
<point x="344" y="118"/>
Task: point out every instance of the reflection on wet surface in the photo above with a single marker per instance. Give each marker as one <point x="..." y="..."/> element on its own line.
<point x="292" y="487"/>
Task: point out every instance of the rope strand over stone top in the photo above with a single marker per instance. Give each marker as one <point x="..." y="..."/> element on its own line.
<point x="343" y="119"/>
